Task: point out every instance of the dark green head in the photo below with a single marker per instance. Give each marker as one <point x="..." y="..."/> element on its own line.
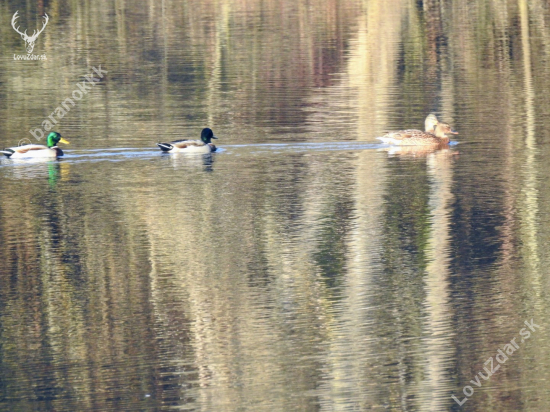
<point x="207" y="135"/>
<point x="54" y="138"/>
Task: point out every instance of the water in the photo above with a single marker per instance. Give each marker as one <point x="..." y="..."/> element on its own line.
<point x="304" y="266"/>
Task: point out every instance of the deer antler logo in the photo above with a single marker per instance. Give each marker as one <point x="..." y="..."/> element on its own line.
<point x="29" y="39"/>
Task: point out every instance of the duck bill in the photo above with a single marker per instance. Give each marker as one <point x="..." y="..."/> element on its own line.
<point x="64" y="141"/>
<point x="214" y="137"/>
<point x="454" y="132"/>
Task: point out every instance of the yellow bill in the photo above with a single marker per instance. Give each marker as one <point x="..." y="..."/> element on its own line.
<point x="64" y="141"/>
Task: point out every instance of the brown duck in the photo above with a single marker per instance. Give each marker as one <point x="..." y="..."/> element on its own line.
<point x="418" y="137"/>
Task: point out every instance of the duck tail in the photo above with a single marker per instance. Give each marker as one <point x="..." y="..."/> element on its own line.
<point x="165" y="147"/>
<point x="7" y="152"/>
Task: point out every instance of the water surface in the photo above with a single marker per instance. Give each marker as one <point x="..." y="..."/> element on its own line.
<point x="304" y="266"/>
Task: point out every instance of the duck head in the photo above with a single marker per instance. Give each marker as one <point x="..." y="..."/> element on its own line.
<point x="207" y="135"/>
<point x="443" y="129"/>
<point x="54" y="138"/>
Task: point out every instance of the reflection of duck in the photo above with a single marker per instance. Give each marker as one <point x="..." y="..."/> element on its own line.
<point x="411" y="151"/>
<point x="192" y="163"/>
<point x="204" y="145"/>
<point x="417" y="152"/>
<point x="418" y="137"/>
<point x="37" y="150"/>
<point x="37" y="168"/>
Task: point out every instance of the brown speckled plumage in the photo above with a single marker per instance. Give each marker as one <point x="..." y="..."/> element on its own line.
<point x="418" y="137"/>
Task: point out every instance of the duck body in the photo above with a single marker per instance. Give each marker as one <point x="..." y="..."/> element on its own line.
<point x="188" y="146"/>
<point x="412" y="137"/>
<point x="202" y="146"/>
<point x="32" y="151"/>
<point x="37" y="151"/>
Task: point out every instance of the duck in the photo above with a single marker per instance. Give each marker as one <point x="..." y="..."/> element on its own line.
<point x="418" y="137"/>
<point x="35" y="151"/>
<point x="204" y="145"/>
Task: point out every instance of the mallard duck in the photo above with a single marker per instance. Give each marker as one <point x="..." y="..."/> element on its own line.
<point x="37" y="150"/>
<point x="204" y="145"/>
<point x="418" y="137"/>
